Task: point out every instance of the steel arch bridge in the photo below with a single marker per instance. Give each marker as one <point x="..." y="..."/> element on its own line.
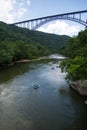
<point x="79" y="17"/>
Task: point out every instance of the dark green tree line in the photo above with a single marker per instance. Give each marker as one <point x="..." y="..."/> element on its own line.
<point x="76" y="51"/>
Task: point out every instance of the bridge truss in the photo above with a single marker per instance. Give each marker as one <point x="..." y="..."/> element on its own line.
<point x="79" y="17"/>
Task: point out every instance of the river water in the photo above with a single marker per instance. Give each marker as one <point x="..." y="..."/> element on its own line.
<point x="53" y="106"/>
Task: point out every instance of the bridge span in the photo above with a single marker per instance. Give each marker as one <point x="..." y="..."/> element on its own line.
<point x="32" y="24"/>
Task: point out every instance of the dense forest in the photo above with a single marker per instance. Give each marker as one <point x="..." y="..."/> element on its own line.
<point x="76" y="51"/>
<point x="20" y="43"/>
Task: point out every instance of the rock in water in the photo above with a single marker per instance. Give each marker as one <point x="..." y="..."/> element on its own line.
<point x="80" y="86"/>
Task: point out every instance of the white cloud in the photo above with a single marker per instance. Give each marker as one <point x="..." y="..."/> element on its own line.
<point x="61" y="28"/>
<point x="21" y="12"/>
<point x="28" y="2"/>
<point x="10" y="10"/>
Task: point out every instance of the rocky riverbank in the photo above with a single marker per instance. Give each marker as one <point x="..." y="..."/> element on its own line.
<point x="81" y="87"/>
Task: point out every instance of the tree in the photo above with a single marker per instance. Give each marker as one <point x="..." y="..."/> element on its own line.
<point x="76" y="50"/>
<point x="6" y="53"/>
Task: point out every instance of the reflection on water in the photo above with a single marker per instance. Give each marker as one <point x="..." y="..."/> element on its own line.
<point x="53" y="106"/>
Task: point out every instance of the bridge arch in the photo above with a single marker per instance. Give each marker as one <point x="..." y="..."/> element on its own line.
<point x="33" y="24"/>
<point x="69" y="18"/>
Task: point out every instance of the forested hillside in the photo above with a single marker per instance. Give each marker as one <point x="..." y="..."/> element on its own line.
<point x="20" y="43"/>
<point x="76" y="50"/>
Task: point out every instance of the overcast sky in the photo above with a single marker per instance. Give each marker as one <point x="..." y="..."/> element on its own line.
<point x="19" y="10"/>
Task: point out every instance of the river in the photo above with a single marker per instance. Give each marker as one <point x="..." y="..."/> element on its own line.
<point x="53" y="106"/>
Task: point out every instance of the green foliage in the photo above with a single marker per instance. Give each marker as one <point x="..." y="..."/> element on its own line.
<point x="76" y="50"/>
<point x="6" y="53"/>
<point x="20" y="43"/>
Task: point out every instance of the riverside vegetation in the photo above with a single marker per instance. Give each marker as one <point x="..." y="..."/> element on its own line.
<point x="76" y="64"/>
<point x="76" y="50"/>
<point x="20" y="43"/>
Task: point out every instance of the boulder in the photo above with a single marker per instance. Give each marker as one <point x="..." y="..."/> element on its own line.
<point x="85" y="102"/>
<point x="80" y="86"/>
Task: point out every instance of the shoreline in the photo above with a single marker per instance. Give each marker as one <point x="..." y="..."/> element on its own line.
<point x="27" y="60"/>
<point x="51" y="56"/>
<point x="23" y="61"/>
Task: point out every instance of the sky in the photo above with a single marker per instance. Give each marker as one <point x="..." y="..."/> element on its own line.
<point x="12" y="11"/>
